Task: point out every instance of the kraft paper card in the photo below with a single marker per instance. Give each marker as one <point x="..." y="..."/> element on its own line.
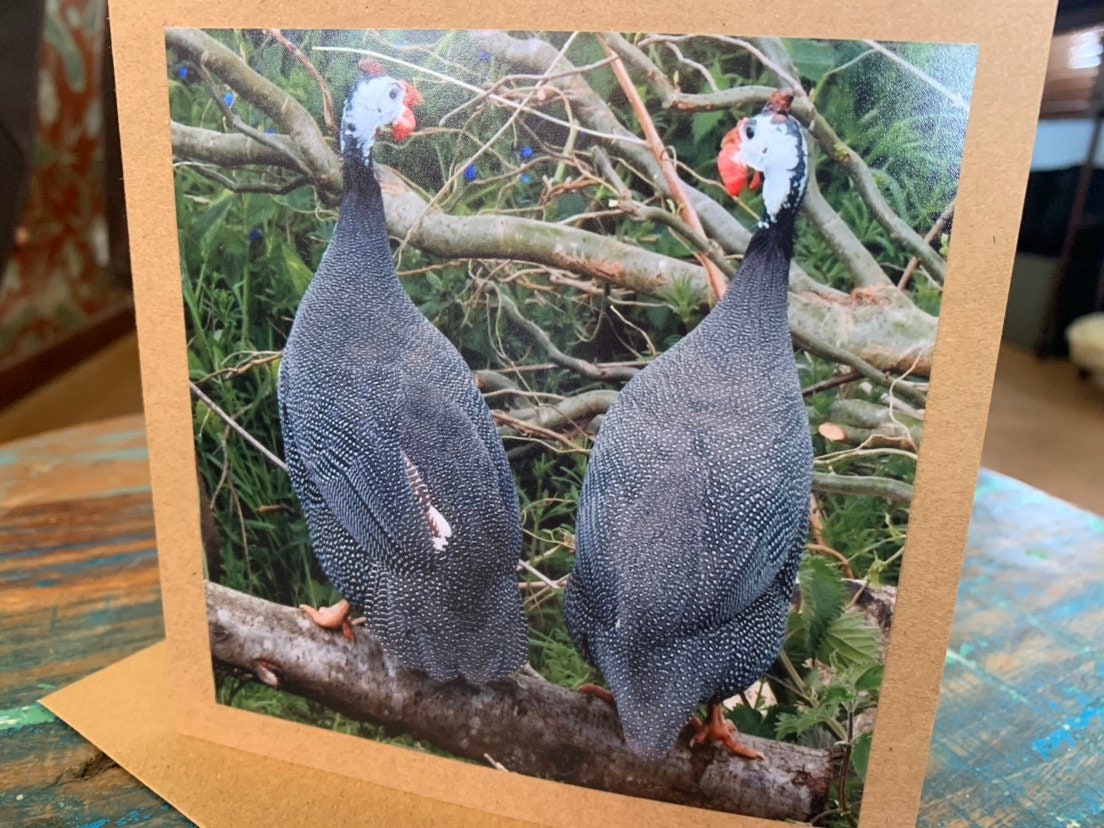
<point x="571" y="414"/>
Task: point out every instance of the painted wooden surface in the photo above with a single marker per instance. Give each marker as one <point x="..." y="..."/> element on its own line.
<point x="78" y="591"/>
<point x="1019" y="738"/>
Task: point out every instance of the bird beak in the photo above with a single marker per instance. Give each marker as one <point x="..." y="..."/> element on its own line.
<point x="406" y="123"/>
<point x="731" y="165"/>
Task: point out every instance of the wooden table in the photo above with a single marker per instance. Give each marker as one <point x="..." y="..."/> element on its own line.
<point x="1019" y="738"/>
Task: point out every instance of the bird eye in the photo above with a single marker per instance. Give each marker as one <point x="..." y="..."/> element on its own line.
<point x="750" y="130"/>
<point x="394" y="93"/>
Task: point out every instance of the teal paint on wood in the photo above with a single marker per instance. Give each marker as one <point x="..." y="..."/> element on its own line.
<point x="1019" y="736"/>
<point x="20" y="717"/>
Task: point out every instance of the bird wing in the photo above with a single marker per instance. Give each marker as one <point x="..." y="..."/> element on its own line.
<point x="403" y="469"/>
<point x="693" y="538"/>
<point x="350" y="447"/>
<point x="757" y="521"/>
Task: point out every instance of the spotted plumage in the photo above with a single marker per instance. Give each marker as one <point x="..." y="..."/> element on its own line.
<point x="408" y="497"/>
<point x="694" y="509"/>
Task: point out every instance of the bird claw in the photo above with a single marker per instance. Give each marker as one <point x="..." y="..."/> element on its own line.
<point x="334" y="618"/>
<point x="596" y="691"/>
<point x="720" y="729"/>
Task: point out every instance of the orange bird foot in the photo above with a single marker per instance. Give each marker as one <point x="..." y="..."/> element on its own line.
<point x="596" y="691"/>
<point x="334" y="618"/>
<point x="720" y="729"/>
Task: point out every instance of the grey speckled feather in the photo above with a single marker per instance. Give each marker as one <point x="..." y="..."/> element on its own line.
<point x="694" y="509"/>
<point x="368" y="390"/>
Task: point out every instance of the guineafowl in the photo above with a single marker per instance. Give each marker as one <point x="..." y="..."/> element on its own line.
<point x="408" y="497"/>
<point x="694" y="509"/>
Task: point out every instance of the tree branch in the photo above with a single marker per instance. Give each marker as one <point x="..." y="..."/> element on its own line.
<point x="309" y="147"/>
<point x="542" y="340"/>
<point x="572" y="411"/>
<point x="875" y="426"/>
<point x="895" y="491"/>
<point x="876" y="326"/>
<point x="229" y="149"/>
<point x="659" y="152"/>
<point x="312" y="70"/>
<point x="825" y="349"/>
<point x="553" y="733"/>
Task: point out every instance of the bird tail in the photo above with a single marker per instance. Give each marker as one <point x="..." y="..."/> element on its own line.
<point x="477" y="635"/>
<point x="654" y="698"/>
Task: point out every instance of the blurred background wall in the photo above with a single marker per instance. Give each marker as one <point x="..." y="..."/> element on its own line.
<point x="64" y="278"/>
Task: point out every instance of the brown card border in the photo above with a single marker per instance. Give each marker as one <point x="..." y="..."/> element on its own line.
<point x="1014" y="46"/>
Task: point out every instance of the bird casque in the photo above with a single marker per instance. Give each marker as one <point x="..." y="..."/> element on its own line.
<point x="694" y="510"/>
<point x="408" y="497"/>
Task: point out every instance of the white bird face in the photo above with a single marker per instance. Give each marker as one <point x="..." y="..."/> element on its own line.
<point x="772" y="143"/>
<point x="377" y="102"/>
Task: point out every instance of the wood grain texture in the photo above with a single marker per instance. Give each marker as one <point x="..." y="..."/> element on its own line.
<point x="78" y="591"/>
<point x="1019" y="736"/>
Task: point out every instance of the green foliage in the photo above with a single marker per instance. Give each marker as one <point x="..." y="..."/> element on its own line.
<point x="246" y="259"/>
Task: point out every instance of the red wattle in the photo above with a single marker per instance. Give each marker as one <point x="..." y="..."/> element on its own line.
<point x="404" y="126"/>
<point x="412" y="96"/>
<point x="734" y="174"/>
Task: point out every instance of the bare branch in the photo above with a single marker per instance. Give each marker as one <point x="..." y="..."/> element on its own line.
<point x="229" y="149"/>
<point x="230" y="421"/>
<point x="303" y="135"/>
<point x="542" y="340"/>
<point x="877" y="327"/>
<point x="572" y="412"/>
<point x="562" y="735"/>
<point x="663" y="159"/>
<point x="929" y="237"/>
<point x="825" y="349"/>
<point x="312" y="70"/>
<point x="957" y="100"/>
<point x="892" y="490"/>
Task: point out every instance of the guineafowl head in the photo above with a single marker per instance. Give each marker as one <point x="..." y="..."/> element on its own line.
<point x="772" y="143"/>
<point x="376" y="101"/>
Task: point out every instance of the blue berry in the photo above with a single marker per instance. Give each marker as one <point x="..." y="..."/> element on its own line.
<point x="470" y="173"/>
<point x="228" y="99"/>
<point x="182" y="72"/>
<point x="527" y="151"/>
<point x="484" y="55"/>
<point x="270" y="131"/>
<point x="525" y="179"/>
<point x="255" y="235"/>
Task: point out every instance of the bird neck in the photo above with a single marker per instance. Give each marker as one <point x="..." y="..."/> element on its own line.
<point x="779" y="229"/>
<point x="756" y="297"/>
<point x="361" y="233"/>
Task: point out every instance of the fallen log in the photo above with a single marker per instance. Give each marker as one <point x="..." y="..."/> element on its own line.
<point x="526" y="724"/>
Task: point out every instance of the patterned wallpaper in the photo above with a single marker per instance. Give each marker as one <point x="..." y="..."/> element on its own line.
<point x="57" y="282"/>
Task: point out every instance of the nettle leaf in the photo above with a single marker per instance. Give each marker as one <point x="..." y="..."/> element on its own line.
<point x="849" y="639"/>
<point x="869" y="680"/>
<point x="794" y="724"/>
<point x="703" y="123"/>
<point x="813" y="58"/>
<point x="822" y="598"/>
<point x="298" y="273"/>
<point x="860" y="754"/>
